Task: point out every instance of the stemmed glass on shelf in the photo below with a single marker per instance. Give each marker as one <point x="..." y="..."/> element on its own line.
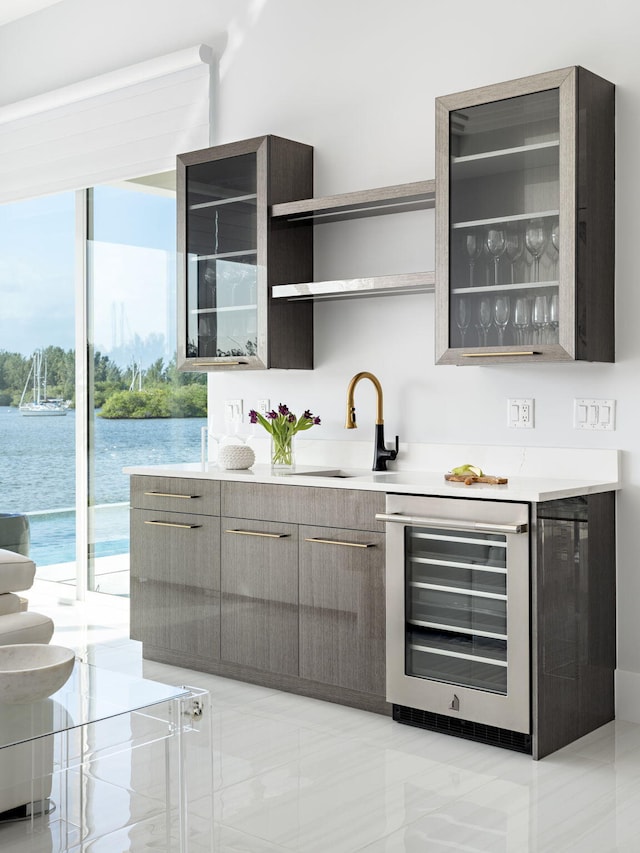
<point x="501" y="311"/>
<point x="536" y="238"/>
<point x="554" y="312"/>
<point x="540" y="318"/>
<point x="463" y="316"/>
<point x="555" y="241"/>
<point x="496" y="243"/>
<point x="484" y="320"/>
<point x="514" y="250"/>
<point x="522" y="319"/>
<point x="473" y="245"/>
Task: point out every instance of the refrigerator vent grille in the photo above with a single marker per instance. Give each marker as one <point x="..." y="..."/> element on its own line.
<point x="462" y="728"/>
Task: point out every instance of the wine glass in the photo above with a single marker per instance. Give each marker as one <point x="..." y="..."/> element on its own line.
<point x="536" y="238"/>
<point x="554" y="311"/>
<point x="540" y="318"/>
<point x="473" y="245"/>
<point x="522" y="319"/>
<point x="514" y="250"/>
<point x="496" y="243"/>
<point x="555" y="240"/>
<point x="484" y="320"/>
<point x="463" y="316"/>
<point x="501" y="311"/>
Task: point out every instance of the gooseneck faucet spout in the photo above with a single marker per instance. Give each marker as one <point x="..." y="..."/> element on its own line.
<point x="381" y="453"/>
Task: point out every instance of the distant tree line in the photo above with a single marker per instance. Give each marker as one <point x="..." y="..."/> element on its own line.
<point x="160" y="391"/>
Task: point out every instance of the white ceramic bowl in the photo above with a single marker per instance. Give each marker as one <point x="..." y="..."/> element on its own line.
<point x="33" y="671"/>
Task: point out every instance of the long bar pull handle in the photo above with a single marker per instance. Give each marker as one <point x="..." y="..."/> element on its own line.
<point x="219" y="363"/>
<point x="174" y="524"/>
<point x="497" y="354"/>
<point x="258" y="533"/>
<point x="338" y="542"/>
<point x="452" y="523"/>
<point x="170" y="495"/>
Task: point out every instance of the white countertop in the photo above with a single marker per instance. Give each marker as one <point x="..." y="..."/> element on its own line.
<point x="519" y="488"/>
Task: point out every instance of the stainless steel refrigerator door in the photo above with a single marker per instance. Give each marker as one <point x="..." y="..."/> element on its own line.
<point x="458" y="608"/>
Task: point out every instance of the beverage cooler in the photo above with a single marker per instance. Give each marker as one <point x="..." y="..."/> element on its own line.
<point x="457" y="582"/>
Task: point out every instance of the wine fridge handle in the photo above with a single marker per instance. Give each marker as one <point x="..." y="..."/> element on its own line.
<point x="451" y="523"/>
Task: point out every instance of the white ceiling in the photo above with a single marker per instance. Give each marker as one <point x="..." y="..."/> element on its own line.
<point x="11" y="10"/>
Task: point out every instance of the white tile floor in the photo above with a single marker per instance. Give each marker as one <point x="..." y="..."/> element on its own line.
<point x="295" y="774"/>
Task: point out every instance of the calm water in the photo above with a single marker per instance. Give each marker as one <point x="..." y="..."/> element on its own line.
<point x="37" y="474"/>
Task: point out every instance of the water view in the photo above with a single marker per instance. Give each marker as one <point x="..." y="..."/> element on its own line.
<point x="37" y="475"/>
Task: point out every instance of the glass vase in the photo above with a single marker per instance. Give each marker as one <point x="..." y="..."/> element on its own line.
<point x="282" y="454"/>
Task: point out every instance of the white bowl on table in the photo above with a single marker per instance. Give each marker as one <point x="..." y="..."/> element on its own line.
<point x="32" y="671"/>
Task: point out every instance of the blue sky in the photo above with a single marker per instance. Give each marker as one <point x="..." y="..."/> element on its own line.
<point x="134" y="268"/>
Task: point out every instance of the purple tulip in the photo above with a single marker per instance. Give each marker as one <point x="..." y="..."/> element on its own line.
<point x="282" y="409"/>
<point x="307" y="414"/>
<point x="253" y="416"/>
<point x="316" y="420"/>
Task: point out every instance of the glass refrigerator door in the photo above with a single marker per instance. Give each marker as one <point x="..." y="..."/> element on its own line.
<point x="505" y="239"/>
<point x="456" y="608"/>
<point x="222" y="258"/>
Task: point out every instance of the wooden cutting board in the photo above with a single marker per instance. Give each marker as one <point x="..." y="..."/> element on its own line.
<point x="468" y="479"/>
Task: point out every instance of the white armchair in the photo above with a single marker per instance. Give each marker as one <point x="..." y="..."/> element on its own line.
<point x="17" y="624"/>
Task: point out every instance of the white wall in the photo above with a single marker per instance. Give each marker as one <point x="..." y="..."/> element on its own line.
<point x="358" y="79"/>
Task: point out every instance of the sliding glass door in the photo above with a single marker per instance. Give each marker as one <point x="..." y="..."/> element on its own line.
<point x="140" y="410"/>
<point x="88" y="382"/>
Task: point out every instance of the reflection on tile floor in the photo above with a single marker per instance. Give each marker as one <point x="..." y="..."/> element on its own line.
<point x="295" y="774"/>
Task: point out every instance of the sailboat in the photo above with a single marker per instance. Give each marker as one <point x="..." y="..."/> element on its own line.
<point x="40" y="405"/>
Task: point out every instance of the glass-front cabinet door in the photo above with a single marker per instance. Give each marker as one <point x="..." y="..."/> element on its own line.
<point x="525" y="238"/>
<point x="230" y="254"/>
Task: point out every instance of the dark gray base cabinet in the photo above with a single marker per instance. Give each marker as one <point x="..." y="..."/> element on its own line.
<point x="342" y="616"/>
<point x="259" y="605"/>
<point x="240" y="586"/>
<point x="175" y="565"/>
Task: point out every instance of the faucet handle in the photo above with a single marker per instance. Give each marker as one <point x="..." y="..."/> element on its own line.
<point x="394" y="453"/>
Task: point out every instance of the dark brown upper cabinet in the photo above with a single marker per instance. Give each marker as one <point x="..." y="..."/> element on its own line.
<point x="231" y="254"/>
<point x="525" y="174"/>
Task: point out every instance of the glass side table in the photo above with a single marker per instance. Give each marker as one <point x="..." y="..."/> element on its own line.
<point x="101" y="765"/>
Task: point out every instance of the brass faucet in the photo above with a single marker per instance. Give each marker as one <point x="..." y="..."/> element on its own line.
<point x="381" y="453"/>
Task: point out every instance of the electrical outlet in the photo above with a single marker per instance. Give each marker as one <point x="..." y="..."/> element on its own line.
<point x="262" y="407"/>
<point x="520" y="413"/>
<point x="594" y="414"/>
<point x="233" y="410"/>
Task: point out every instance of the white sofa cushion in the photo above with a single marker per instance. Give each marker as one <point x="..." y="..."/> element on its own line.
<point x="17" y="572"/>
<point x="26" y="627"/>
<point x="10" y="603"/>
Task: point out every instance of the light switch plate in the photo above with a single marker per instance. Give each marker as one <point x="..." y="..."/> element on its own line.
<point x="593" y="414"/>
<point x="262" y="407"/>
<point x="520" y="413"/>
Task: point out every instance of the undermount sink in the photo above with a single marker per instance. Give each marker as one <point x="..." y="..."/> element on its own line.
<point x="336" y="473"/>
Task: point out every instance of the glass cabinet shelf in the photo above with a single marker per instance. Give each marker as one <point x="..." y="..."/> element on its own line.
<point x="222" y="309"/>
<point x="505" y="160"/>
<point x="496" y="220"/>
<point x="220" y="201"/>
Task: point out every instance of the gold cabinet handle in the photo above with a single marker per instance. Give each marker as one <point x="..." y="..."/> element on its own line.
<point x="170" y="495"/>
<point x="258" y="533"/>
<point x="173" y="524"/>
<point x="338" y="542"/>
<point x="496" y="354"/>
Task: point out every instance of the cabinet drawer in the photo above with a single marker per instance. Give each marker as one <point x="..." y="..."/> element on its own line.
<point x="299" y="504"/>
<point x="175" y="548"/>
<point x="176" y="494"/>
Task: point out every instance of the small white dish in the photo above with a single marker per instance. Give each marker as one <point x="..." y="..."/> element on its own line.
<point x="32" y="671"/>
